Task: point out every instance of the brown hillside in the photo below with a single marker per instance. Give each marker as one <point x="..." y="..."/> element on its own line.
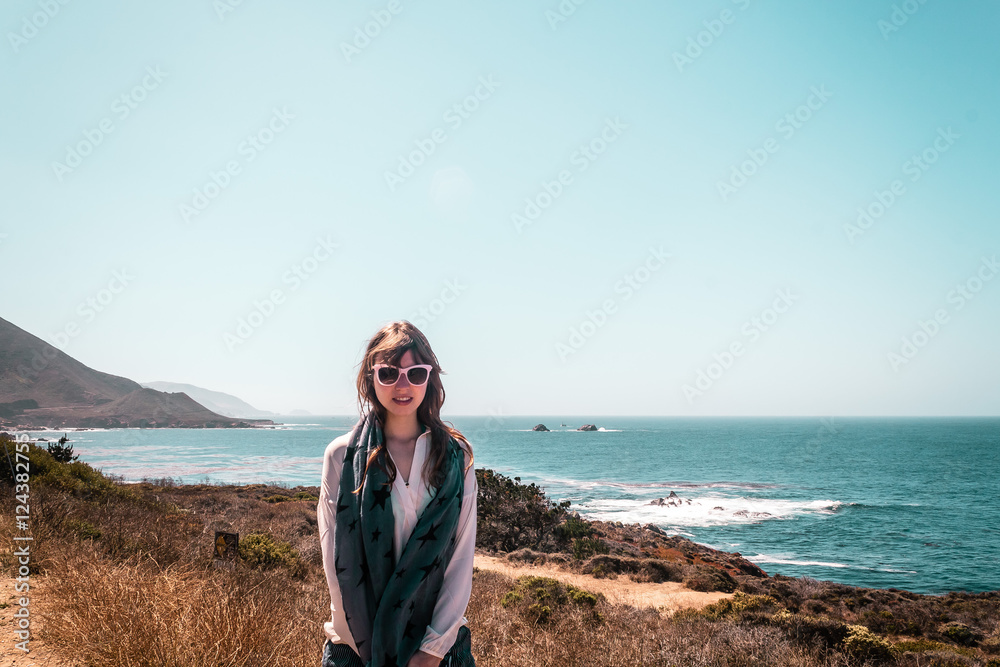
<point x="41" y="386"/>
<point x="144" y="408"/>
<point x="31" y="369"/>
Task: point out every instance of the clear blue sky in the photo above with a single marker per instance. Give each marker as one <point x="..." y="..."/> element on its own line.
<point x="739" y="138"/>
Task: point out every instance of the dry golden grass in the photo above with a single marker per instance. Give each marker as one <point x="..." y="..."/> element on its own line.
<point x="146" y="591"/>
<point x="136" y="613"/>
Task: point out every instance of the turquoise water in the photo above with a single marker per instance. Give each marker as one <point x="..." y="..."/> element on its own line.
<point x="884" y="502"/>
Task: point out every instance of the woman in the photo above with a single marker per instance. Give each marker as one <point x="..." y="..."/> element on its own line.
<point x="399" y="572"/>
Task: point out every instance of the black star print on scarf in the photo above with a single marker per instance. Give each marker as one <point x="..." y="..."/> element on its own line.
<point x="393" y="603"/>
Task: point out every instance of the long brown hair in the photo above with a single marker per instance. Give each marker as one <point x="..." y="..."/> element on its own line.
<point x="388" y="346"/>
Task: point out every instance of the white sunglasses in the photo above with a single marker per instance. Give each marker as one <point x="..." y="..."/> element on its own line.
<point x="388" y="375"/>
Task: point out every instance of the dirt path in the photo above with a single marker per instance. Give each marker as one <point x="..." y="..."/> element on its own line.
<point x="668" y="597"/>
<point x="39" y="654"/>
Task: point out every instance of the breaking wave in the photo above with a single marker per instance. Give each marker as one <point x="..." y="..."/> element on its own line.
<point x="705" y="510"/>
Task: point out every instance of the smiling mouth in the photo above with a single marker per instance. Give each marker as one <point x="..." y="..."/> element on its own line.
<point x="404" y="400"/>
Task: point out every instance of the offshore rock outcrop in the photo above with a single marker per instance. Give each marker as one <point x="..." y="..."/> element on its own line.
<point x="673" y="500"/>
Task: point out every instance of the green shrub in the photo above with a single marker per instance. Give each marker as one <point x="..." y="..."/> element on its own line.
<point x="262" y="550"/>
<point x="277" y="498"/>
<point x="546" y="596"/>
<point x="513" y="516"/>
<point x="959" y="633"/>
<point x="582" y="597"/>
<point x="738" y="605"/>
<point x="925" y="645"/>
<point x="587" y="547"/>
<point x="573" y="528"/>
<point x="305" y="495"/>
<point x="511" y="597"/>
<point x="83" y="529"/>
<point x="77" y="478"/>
<point x="540" y="613"/>
<point x="864" y="645"/>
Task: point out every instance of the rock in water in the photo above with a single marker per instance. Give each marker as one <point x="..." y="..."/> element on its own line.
<point x="540" y="427"/>
<point x="673" y="500"/>
<point x="587" y="427"/>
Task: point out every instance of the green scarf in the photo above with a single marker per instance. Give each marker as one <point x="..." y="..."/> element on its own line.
<point x="388" y="605"/>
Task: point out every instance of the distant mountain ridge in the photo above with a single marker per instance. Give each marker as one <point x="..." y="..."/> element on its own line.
<point x="43" y="387"/>
<point x="216" y="401"/>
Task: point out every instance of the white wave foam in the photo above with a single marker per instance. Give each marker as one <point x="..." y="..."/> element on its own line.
<point x="708" y="510"/>
<point x="889" y="569"/>
<point x="764" y="558"/>
<point x="784" y="559"/>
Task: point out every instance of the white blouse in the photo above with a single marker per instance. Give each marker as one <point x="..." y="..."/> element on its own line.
<point x="408" y="502"/>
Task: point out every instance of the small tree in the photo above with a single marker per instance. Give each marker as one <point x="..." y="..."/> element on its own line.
<point x="61" y="452"/>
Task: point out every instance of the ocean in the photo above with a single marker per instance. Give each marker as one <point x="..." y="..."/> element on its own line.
<point x="909" y="503"/>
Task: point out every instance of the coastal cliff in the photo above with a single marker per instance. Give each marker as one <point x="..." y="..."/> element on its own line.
<point x="43" y="387"/>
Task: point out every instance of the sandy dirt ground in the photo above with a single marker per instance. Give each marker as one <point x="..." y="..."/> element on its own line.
<point x="667" y="597"/>
<point x="38" y="655"/>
